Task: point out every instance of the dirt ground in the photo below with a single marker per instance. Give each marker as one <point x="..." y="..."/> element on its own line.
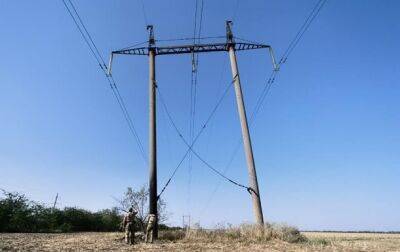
<point x="317" y="241"/>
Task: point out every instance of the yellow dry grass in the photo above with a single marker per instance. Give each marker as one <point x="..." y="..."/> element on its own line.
<point x="355" y="241"/>
<point x="317" y="241"/>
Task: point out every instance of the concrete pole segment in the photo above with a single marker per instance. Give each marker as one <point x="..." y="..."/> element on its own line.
<point x="246" y="139"/>
<point x="152" y="141"/>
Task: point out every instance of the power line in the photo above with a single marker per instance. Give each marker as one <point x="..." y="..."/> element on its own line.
<point x="235" y="10"/>
<point x="193" y="86"/>
<point x="88" y="34"/>
<point x="219" y="87"/>
<point x="83" y="34"/>
<point x="198" y="134"/>
<point x="166" y="135"/>
<point x="195" y="21"/>
<point x="193" y="89"/>
<point x="128" y="118"/>
<point x="192" y="98"/>
<point x="310" y="18"/>
<point x="294" y="42"/>
<point x="113" y="84"/>
<point x="246" y="40"/>
<point x="193" y="151"/>
<point x="144" y="13"/>
<point x="138" y="44"/>
<point x="313" y="14"/>
<point x="254" y="113"/>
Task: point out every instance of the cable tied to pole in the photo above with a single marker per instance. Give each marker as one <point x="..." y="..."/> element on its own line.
<point x="190" y="146"/>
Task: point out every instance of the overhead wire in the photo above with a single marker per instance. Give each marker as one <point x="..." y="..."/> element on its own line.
<point x="100" y="60"/>
<point x="234" y="15"/>
<point x="135" y="45"/>
<point x="255" y="111"/>
<point x="166" y="135"/>
<point x="88" y="34"/>
<point x="146" y="21"/>
<point x="295" y="41"/>
<point x="193" y="86"/>
<point x="219" y="87"/>
<point x="235" y="10"/>
<point x="210" y="116"/>
<point x="246" y="40"/>
<point x="83" y="34"/>
<point x="128" y="118"/>
<point x="313" y="14"/>
<point x="190" y="147"/>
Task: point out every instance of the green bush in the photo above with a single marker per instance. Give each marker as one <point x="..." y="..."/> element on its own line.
<point x="15" y="213"/>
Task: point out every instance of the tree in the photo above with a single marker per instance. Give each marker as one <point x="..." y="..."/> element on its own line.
<point x="139" y="201"/>
<point x="15" y="213"/>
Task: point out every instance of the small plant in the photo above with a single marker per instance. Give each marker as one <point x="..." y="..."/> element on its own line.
<point x="288" y="233"/>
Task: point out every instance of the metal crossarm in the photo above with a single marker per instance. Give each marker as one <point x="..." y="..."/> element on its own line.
<point x="133" y="51"/>
<point x="196" y="48"/>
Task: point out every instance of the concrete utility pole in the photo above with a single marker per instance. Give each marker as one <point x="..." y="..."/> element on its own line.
<point x="255" y="193"/>
<point x="152" y="131"/>
<point x="229" y="46"/>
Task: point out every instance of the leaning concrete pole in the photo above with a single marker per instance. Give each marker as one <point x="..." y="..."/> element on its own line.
<point x="152" y="132"/>
<point x="255" y="194"/>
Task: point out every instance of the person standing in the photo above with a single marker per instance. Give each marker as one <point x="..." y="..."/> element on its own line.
<point x="128" y="224"/>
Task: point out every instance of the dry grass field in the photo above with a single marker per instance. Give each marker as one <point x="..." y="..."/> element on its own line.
<point x="331" y="241"/>
<point x="316" y="241"/>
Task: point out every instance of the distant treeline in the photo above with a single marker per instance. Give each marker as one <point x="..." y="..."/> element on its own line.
<point x="19" y="214"/>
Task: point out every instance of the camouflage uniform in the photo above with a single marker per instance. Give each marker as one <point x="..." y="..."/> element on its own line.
<point x="129" y="226"/>
<point x="151" y="222"/>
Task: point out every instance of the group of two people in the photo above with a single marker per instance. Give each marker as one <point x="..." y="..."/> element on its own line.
<point x="128" y="225"/>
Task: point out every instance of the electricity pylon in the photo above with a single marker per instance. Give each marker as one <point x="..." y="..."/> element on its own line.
<point x="230" y="46"/>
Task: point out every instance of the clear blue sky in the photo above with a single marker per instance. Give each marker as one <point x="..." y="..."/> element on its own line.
<point x="326" y="142"/>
